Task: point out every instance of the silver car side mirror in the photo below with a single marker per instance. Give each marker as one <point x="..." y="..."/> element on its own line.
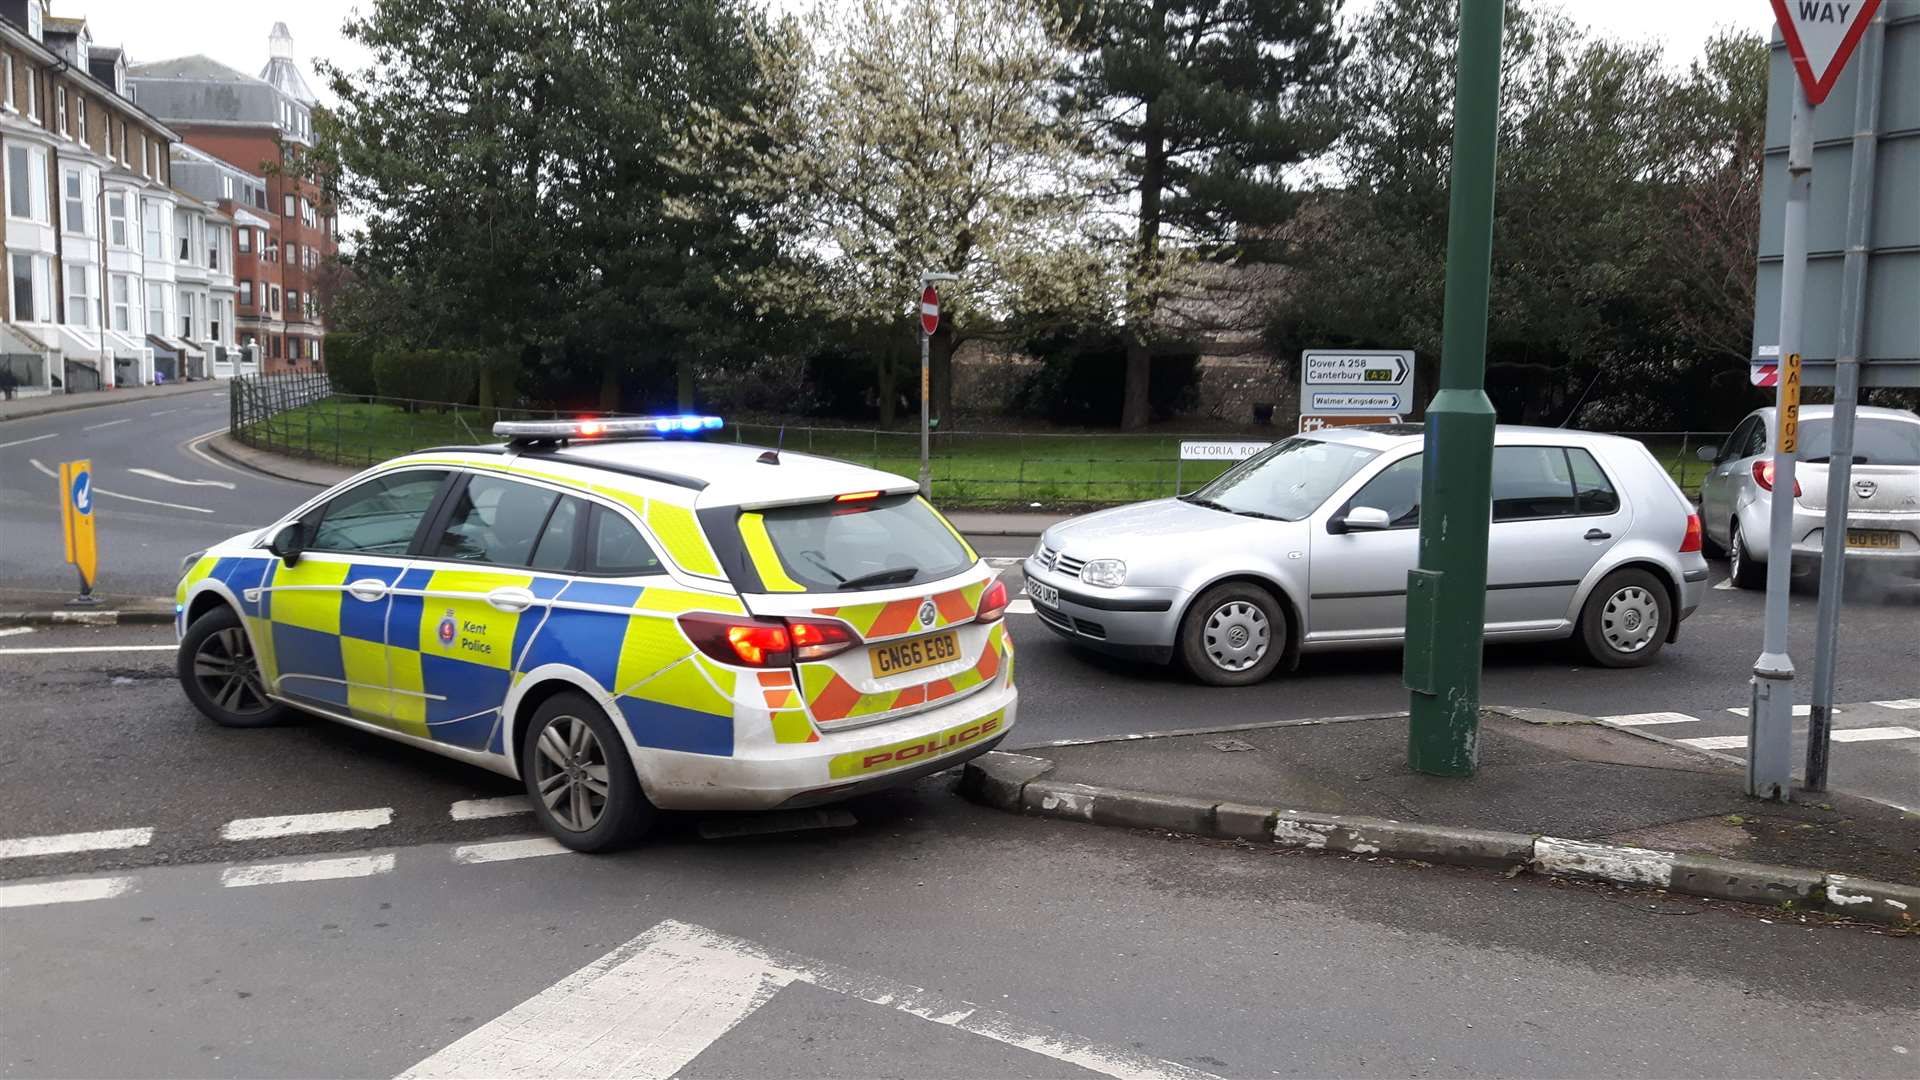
<point x="1366" y="518"/>
<point x="1709" y="454"/>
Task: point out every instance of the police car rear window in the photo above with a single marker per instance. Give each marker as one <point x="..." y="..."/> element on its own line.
<point x="880" y="543"/>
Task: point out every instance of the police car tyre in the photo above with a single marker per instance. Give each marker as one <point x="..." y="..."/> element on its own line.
<point x="221" y="675"/>
<point x="1626" y="618"/>
<point x="579" y="778"/>
<point x="1233" y="635"/>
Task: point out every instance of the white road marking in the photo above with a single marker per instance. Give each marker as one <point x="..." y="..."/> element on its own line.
<point x="261" y="828"/>
<point x="105" y="840"/>
<point x="1718" y="742"/>
<point x="1648" y="718"/>
<point x="14" y="631"/>
<point x="1020" y="607"/>
<point x="508" y="850"/>
<point x="1873" y="734"/>
<point x="155" y="474"/>
<point x="63" y="892"/>
<point x="97" y="490"/>
<point x="1900" y="703"/>
<point x="1798" y="710"/>
<point x="51" y="650"/>
<point x="162" y="412"/>
<point x="109" y="423"/>
<point x="654" y="1004"/>
<point x="23" y="442"/>
<point x="193" y="447"/>
<point x="474" y="809"/>
<point x="240" y="877"/>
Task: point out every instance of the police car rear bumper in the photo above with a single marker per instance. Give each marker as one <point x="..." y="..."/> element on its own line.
<point x="841" y="765"/>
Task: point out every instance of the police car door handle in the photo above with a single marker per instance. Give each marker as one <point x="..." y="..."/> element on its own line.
<point x="511" y="598"/>
<point x="367" y="589"/>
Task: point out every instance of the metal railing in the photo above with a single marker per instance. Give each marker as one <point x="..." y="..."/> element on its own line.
<point x="298" y="414"/>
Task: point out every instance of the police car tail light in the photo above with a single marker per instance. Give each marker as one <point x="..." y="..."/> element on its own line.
<point x="993" y="602"/>
<point x="761" y="643"/>
<point x="816" y="640"/>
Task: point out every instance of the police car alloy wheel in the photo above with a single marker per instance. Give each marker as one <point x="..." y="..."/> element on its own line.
<point x="579" y="778"/>
<point x="221" y="675"/>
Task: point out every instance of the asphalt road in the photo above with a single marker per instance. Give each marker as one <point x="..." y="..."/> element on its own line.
<point x="157" y="496"/>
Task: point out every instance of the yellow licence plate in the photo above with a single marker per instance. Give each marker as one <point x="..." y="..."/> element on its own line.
<point x="899" y="656"/>
<point x="1873" y="538"/>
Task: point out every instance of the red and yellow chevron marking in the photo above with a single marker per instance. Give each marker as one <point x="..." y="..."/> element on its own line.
<point x="834" y="698"/>
<point x="893" y="618"/>
<point x="790" y="723"/>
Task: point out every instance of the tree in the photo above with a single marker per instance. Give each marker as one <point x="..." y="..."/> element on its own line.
<point x="1207" y="104"/>
<point x="510" y="161"/>
<point x="906" y="139"/>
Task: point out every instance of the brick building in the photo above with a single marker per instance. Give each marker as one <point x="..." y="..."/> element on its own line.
<point x="285" y="235"/>
<point x="85" y="182"/>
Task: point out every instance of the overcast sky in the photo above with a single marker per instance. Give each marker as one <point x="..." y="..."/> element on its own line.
<point x="236" y="33"/>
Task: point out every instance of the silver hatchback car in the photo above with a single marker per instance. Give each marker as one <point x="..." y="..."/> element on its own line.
<point x="1883" y="507"/>
<point x="1306" y="547"/>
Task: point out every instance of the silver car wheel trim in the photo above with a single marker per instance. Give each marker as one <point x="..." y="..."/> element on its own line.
<point x="1236" y="635"/>
<point x="570" y="772"/>
<point x="1735" y="552"/>
<point x="1630" y="619"/>
<point x="224" y="666"/>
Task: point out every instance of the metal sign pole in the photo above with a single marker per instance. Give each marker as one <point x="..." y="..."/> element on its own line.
<point x="1770" y="716"/>
<point x="1846" y="392"/>
<point x="926" y="470"/>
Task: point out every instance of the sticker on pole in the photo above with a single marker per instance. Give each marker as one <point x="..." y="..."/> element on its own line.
<point x="1790" y="404"/>
<point x="929" y="310"/>
<point x="1820" y="37"/>
<point x="1764" y="374"/>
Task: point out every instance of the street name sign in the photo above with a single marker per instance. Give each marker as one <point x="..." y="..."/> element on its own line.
<point x="1373" y="383"/>
<point x="1220" y="451"/>
<point x="1820" y="36"/>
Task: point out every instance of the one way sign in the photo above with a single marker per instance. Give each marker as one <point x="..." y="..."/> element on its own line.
<point x="1820" y="36"/>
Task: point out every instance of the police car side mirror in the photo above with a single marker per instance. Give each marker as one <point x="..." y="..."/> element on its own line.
<point x="286" y="543"/>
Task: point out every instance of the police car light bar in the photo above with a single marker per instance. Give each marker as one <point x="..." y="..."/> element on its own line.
<point x="612" y="428"/>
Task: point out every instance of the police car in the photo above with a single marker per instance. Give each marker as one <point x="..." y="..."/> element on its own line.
<point x="625" y="619"/>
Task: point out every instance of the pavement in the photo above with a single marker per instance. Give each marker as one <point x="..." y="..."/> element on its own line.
<point x="16" y="408"/>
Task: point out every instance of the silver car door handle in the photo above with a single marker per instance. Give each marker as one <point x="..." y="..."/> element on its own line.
<point x="368" y="589"/>
<point x="1598" y="534"/>
<point x="511" y="598"/>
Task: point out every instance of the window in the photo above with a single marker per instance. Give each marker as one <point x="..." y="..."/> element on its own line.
<point x="273" y="301"/>
<point x="293" y="348"/>
<point x="293" y="253"/>
<point x="287" y="206"/>
<point x="120" y="295"/>
<point x="830" y="547"/>
<point x="1396" y="490"/>
<point x="1877" y="440"/>
<point x="80" y="114"/>
<point x="156" y="307"/>
<point x="75" y="208"/>
<point x="216" y="239"/>
<point x="1531" y="482"/>
<point x="27" y="183"/>
<point x="555" y="549"/>
<point x="226" y="187"/>
<point x="222" y="317"/>
<point x="273" y="250"/>
<point x="186" y="315"/>
<point x="154" y="217"/>
<point x="1592" y="493"/>
<point x="1287" y="480"/>
<point x="60" y="111"/>
<point x="8" y="100"/>
<point x="293" y="303"/>
<point x="183" y="234"/>
<point x="80" y="294"/>
<point x="493" y="521"/>
<point x="33" y="84"/>
<point x="378" y="517"/>
<point x="123" y="142"/>
<point x="614" y="546"/>
<point x="246" y="292"/>
<point x="245" y="239"/>
<point x="32" y="288"/>
<point x="275" y="342"/>
<point x="117" y="231"/>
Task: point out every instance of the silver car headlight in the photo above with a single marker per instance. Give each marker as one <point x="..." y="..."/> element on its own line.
<point x="1106" y="573"/>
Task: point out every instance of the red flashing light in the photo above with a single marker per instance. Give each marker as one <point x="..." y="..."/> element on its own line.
<point x="993" y="603"/>
<point x="589" y="428"/>
<point x="856" y="496"/>
<point x="1691" y="541"/>
<point x="1763" y="475"/>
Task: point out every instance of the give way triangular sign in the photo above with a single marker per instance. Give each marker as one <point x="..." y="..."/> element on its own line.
<point x="1820" y="36"/>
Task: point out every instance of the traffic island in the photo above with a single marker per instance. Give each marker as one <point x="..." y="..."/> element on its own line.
<point x="1555" y="794"/>
<point x="20" y="607"/>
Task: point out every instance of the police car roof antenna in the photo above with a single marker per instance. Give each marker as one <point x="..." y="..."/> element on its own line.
<point x="772" y="457"/>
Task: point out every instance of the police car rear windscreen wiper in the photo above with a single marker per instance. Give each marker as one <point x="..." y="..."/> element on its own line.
<point x="899" y="575"/>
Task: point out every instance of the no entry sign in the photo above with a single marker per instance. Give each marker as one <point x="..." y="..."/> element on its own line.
<point x="929" y="310"/>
